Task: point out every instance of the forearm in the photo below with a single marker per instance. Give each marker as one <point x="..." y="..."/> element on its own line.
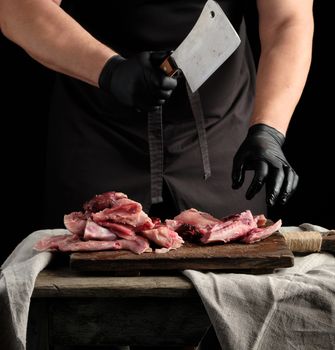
<point x="53" y="38"/>
<point x="282" y="72"/>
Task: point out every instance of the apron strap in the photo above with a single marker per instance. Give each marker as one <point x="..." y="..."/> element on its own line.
<point x="155" y="137"/>
<point x="198" y="115"/>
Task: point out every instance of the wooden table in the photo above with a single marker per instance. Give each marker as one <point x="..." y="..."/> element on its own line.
<point x="86" y="306"/>
<point x="72" y="309"/>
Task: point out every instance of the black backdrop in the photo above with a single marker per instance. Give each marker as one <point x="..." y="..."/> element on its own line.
<point x="24" y="97"/>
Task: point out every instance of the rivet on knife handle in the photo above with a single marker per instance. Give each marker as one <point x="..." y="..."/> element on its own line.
<point x="169" y="66"/>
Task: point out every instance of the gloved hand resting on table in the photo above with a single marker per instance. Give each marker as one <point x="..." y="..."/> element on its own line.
<point x="137" y="82"/>
<point x="261" y="151"/>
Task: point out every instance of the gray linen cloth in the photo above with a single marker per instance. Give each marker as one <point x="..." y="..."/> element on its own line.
<point x="293" y="308"/>
<point x="17" y="282"/>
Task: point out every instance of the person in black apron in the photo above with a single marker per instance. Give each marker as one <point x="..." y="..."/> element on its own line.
<point x="97" y="144"/>
<point x="170" y="158"/>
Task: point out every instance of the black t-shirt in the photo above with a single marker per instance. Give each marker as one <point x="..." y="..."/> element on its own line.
<point x="133" y="26"/>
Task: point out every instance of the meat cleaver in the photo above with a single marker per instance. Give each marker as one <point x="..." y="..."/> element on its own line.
<point x="210" y="42"/>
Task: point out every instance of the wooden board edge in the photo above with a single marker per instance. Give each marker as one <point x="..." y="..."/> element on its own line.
<point x="243" y="263"/>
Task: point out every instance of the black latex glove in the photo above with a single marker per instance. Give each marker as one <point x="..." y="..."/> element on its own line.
<point x="138" y="81"/>
<point x="261" y="151"/>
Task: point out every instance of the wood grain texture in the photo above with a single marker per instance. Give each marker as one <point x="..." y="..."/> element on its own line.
<point x="136" y="321"/>
<point x="63" y="283"/>
<point x="268" y="254"/>
<point x="98" y="310"/>
<point x="38" y="326"/>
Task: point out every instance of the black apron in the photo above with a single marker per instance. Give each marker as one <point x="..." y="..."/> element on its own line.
<point x="97" y="145"/>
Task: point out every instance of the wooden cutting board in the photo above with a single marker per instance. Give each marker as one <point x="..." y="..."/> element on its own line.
<point x="263" y="256"/>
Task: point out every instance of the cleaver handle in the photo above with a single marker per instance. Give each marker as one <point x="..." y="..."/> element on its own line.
<point x="169" y="67"/>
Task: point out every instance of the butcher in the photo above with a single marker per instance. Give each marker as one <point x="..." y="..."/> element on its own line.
<point x="117" y="122"/>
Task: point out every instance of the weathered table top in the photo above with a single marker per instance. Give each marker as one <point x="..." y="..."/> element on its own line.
<point x="61" y="283"/>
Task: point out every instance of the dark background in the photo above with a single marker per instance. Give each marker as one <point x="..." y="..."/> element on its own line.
<point x="24" y="97"/>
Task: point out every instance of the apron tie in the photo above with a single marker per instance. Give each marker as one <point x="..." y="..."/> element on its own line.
<point x="155" y="137"/>
<point x="198" y="115"/>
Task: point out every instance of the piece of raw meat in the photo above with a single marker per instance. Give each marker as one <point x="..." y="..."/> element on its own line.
<point x="124" y="211"/>
<point x="52" y="243"/>
<point x="260" y="219"/>
<point x="188" y="232"/>
<point x="103" y="201"/>
<point x="73" y="243"/>
<point x="258" y="234"/>
<point x="75" y="222"/>
<point x="164" y="237"/>
<point x="173" y="225"/>
<point x="233" y="229"/>
<point x="94" y="231"/>
<point x="200" y="220"/>
<point x="122" y="231"/>
<point x="88" y="246"/>
<point x="137" y="246"/>
<point x="215" y="230"/>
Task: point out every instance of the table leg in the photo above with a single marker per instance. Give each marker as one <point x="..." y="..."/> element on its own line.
<point x="38" y="326"/>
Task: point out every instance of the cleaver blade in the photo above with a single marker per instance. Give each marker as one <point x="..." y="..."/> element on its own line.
<point x="209" y="44"/>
